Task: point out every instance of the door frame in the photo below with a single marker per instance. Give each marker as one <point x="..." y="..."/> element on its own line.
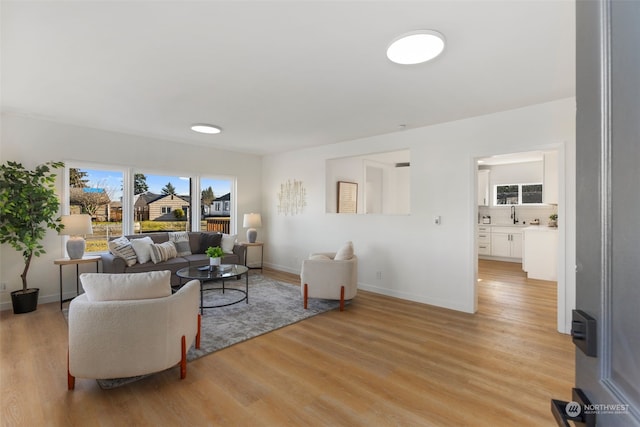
<point x="565" y="288"/>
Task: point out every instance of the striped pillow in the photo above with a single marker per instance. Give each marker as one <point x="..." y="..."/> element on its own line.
<point x="181" y="240"/>
<point x="121" y="247"/>
<point x="163" y="251"/>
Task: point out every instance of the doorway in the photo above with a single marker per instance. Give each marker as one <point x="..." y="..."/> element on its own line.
<point x="499" y="228"/>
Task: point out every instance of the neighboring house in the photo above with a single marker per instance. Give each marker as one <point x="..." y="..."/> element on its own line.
<point x="221" y="206"/>
<point x="159" y="207"/>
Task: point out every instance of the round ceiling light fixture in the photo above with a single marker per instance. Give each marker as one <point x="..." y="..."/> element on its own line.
<point x="416" y="47"/>
<point x="205" y="128"/>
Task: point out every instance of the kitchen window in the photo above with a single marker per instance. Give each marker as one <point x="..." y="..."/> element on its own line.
<point x="518" y="194"/>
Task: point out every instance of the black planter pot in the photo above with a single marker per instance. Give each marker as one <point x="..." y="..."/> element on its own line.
<point x="25" y="301"/>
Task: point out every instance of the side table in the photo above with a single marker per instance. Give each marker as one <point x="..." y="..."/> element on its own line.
<point x="76" y="262"/>
<point x="246" y="255"/>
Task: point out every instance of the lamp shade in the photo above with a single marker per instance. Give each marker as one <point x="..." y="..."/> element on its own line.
<point x="75" y="225"/>
<point x="252" y="220"/>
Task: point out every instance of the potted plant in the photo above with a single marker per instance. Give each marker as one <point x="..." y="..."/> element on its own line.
<point x="214" y="253"/>
<point x="553" y="220"/>
<point x="28" y="206"/>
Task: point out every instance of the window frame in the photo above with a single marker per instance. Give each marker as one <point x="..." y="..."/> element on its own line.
<point x="128" y="177"/>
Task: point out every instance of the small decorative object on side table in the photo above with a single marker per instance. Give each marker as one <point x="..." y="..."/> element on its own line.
<point x="246" y="255"/>
<point x="76" y="262"/>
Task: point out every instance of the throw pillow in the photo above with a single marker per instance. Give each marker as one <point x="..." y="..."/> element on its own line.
<point x="208" y="239"/>
<point x="142" y="248"/>
<point x="181" y="241"/>
<point x="228" y="241"/>
<point x="161" y="252"/>
<point x="121" y="247"/>
<point x="345" y="252"/>
<point x="127" y="286"/>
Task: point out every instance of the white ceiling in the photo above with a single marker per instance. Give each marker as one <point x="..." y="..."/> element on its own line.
<point x="278" y="76"/>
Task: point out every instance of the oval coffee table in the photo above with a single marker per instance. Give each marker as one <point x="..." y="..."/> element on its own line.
<point x="219" y="274"/>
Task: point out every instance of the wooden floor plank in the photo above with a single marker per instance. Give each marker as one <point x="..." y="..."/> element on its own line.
<point x="381" y="362"/>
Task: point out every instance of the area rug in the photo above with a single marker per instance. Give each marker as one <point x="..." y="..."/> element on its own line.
<point x="271" y="306"/>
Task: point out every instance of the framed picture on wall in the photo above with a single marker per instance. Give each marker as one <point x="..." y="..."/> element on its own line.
<point x="347" y="197"/>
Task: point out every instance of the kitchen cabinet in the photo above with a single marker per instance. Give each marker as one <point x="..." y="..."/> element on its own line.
<point x="484" y="240"/>
<point x="483" y="187"/>
<point x="540" y="259"/>
<point x="506" y="242"/>
<point x="550" y="178"/>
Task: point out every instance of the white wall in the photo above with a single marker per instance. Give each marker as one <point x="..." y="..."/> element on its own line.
<point x="33" y="141"/>
<point x="516" y="173"/>
<point x="417" y="259"/>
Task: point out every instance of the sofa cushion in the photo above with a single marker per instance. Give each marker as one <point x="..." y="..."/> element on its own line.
<point x="209" y="239"/>
<point x="173" y="265"/>
<point x="161" y="252"/>
<point x="118" y="287"/>
<point x="157" y="237"/>
<point x="228" y="242"/>
<point x="142" y="248"/>
<point x="319" y="257"/>
<point x="345" y="252"/>
<point x="121" y="247"/>
<point x="181" y="241"/>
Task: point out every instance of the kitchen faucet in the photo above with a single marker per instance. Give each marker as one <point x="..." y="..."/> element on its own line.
<point x="513" y="214"/>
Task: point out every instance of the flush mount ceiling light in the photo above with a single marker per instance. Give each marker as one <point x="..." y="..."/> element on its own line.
<point x="416" y="47"/>
<point x="205" y="128"/>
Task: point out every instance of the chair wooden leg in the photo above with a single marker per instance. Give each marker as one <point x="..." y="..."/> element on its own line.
<point x="341" y="298"/>
<point x="71" y="380"/>
<point x="183" y="361"/>
<point x="306" y="295"/>
<point x="199" y="330"/>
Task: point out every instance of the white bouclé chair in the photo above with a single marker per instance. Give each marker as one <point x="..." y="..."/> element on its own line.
<point x="330" y="275"/>
<point x="126" y="325"/>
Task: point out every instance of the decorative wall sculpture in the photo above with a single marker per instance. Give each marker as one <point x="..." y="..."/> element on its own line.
<point x="292" y="198"/>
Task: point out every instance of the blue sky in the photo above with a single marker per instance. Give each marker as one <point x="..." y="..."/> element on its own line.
<point x="112" y="181"/>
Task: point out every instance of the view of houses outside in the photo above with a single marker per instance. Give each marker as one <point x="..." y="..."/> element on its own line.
<point x="161" y="202"/>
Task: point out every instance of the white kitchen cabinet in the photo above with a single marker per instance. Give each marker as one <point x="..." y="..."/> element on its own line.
<point x="506" y="242"/>
<point x="483" y="187"/>
<point x="541" y="253"/>
<point x="484" y="240"/>
<point x="550" y="178"/>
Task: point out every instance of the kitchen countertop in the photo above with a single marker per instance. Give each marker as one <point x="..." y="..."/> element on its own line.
<point x="541" y="228"/>
<point x="508" y="225"/>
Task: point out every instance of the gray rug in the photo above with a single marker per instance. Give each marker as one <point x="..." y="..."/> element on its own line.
<point x="271" y="306"/>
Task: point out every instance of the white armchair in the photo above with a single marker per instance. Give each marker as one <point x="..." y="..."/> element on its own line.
<point x="324" y="276"/>
<point x="126" y="325"/>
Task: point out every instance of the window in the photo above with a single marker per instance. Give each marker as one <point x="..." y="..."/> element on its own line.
<point x="216" y="204"/>
<point x="96" y="192"/>
<point x="161" y="202"/>
<point x="123" y="201"/>
<point x="518" y="194"/>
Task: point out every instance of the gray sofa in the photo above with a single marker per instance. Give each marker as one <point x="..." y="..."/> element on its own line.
<point x="198" y="242"/>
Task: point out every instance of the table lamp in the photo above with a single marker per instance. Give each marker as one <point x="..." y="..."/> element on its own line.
<point x="76" y="226"/>
<point x="252" y="221"/>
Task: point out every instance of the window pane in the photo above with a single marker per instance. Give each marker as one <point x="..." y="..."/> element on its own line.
<point x="99" y="194"/>
<point x="506" y="194"/>
<point x="161" y="203"/>
<point x="532" y="193"/>
<point x="216" y="205"/>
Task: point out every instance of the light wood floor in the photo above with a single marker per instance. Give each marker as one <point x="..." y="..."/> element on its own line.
<point x="382" y="362"/>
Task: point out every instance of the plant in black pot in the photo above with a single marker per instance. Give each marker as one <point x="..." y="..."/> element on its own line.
<point x="28" y="207"/>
